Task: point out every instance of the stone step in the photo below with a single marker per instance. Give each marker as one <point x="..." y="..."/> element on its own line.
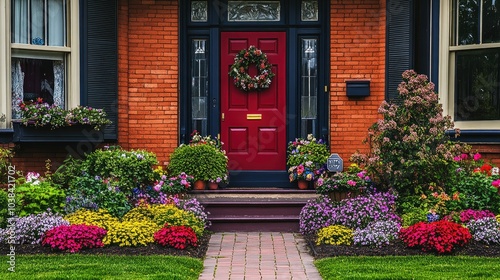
<point x="252" y="209"/>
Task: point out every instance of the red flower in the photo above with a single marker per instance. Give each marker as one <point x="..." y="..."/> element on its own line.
<point x="486" y="169"/>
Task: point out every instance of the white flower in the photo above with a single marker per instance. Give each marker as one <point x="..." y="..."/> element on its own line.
<point x="495" y="171"/>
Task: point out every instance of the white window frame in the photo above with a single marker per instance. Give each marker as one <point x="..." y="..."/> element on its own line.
<point x="71" y="53"/>
<point x="446" y="87"/>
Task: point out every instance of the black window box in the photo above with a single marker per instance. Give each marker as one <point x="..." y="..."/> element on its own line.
<point x="67" y="134"/>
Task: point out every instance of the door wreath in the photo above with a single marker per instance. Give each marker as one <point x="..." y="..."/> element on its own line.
<point x="239" y="70"/>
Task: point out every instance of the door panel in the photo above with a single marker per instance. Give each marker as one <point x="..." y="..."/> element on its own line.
<point x="253" y="126"/>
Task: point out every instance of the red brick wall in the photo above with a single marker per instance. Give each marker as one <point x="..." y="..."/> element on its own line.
<point x="489" y="152"/>
<point x="357" y="50"/>
<point x="148" y="54"/>
<point x="32" y="156"/>
<point x="148" y="85"/>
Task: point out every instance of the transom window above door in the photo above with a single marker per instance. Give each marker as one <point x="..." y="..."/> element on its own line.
<point x="252" y="11"/>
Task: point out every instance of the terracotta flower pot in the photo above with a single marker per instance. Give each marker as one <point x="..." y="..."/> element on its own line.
<point x="303" y="184"/>
<point x="199" y="185"/>
<point x="213" y="186"/>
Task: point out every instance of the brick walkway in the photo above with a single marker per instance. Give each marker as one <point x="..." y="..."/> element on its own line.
<point x="258" y="255"/>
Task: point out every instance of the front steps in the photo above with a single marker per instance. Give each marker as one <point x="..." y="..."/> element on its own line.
<point x="252" y="209"/>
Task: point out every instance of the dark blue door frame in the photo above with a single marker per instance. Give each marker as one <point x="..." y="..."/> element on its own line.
<point x="296" y="30"/>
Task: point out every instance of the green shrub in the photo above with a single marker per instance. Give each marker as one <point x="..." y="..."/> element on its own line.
<point x="128" y="168"/>
<point x="3" y="208"/>
<point x="335" y="235"/>
<point x="202" y="161"/>
<point x="5" y="156"/>
<point x="67" y="172"/>
<point x="477" y="192"/>
<point x="100" y="218"/>
<point x="411" y="218"/>
<point x="131" y="233"/>
<point x="37" y="196"/>
<point x="102" y="192"/>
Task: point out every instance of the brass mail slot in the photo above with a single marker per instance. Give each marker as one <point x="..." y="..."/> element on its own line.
<point x="254" y="116"/>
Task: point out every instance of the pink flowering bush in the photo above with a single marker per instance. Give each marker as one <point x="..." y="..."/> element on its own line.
<point x="73" y="238"/>
<point x="178" y="237"/>
<point x="440" y="236"/>
<point x="410" y="147"/>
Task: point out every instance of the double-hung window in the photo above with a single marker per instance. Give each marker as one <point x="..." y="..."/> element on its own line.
<point x="43" y="52"/>
<point x="472" y="51"/>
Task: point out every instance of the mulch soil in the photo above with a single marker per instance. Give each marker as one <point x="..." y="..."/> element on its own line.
<point x="152" y="249"/>
<point x="397" y="248"/>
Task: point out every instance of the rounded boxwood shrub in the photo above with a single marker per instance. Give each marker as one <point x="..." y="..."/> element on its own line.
<point x="202" y="161"/>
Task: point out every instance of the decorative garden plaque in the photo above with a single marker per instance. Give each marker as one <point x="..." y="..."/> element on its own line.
<point x="335" y="163"/>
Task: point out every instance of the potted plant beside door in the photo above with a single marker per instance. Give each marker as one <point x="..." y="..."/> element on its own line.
<point x="203" y="158"/>
<point x="306" y="160"/>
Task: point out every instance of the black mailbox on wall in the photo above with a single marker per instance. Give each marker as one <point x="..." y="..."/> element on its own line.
<point x="358" y="88"/>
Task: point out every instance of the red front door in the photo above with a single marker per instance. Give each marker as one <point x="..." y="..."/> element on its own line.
<point x="253" y="124"/>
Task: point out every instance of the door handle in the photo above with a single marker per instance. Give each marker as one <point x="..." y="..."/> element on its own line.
<point x="222" y="117"/>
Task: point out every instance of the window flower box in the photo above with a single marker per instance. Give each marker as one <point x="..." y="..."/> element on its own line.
<point x="43" y="122"/>
<point x="73" y="133"/>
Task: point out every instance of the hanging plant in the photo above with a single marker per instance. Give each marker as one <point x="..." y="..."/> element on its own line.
<point x="239" y="70"/>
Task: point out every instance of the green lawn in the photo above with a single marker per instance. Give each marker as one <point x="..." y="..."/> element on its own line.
<point x="409" y="267"/>
<point x="101" y="267"/>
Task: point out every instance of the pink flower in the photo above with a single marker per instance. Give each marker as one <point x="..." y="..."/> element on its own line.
<point x="464" y="156"/>
<point x="319" y="182"/>
<point x="457" y="158"/>
<point x="496" y="183"/>
<point x="351" y="183"/>
<point x="157" y="187"/>
<point x="477" y="156"/>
